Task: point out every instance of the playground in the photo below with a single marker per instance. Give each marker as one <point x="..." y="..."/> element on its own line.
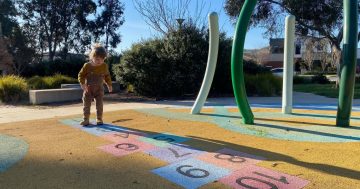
<point x="166" y="147"/>
<point x="247" y="143"/>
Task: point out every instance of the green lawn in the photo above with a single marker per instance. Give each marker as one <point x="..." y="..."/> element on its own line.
<point x="327" y="90"/>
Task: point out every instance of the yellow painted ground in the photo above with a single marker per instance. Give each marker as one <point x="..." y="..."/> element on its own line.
<point x="60" y="156"/>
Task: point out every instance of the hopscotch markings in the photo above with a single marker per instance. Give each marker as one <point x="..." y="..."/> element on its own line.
<point x="191" y="173"/>
<point x="191" y="168"/>
<point x="120" y="134"/>
<point x="258" y="177"/>
<point x="163" y="139"/>
<point x="99" y="130"/>
<point x="230" y="159"/>
<point x="173" y="153"/>
<point x="74" y="122"/>
<point x="126" y="147"/>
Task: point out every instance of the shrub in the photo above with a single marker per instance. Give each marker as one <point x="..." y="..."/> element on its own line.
<point x="320" y="79"/>
<point x="58" y="66"/>
<point x="263" y="85"/>
<point x="49" y="82"/>
<point x="302" y="79"/>
<point x="37" y="82"/>
<point x="12" y="88"/>
<point x="173" y="66"/>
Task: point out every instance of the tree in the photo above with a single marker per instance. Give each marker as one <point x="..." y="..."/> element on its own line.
<point x="163" y="15"/>
<point x="6" y="60"/>
<point x="320" y="18"/>
<point x="58" y="23"/>
<point x="309" y="54"/>
<point x="324" y="54"/>
<point x="259" y="55"/>
<point x="7" y="16"/>
<point x="22" y="54"/>
<point x="108" y="22"/>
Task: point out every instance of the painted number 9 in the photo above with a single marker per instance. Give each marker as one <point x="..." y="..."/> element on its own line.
<point x="127" y="146"/>
<point x="188" y="172"/>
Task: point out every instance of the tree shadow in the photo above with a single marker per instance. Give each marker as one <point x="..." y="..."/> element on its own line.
<point x="321" y="116"/>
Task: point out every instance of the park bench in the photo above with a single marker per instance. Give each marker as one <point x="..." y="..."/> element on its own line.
<point x="67" y="92"/>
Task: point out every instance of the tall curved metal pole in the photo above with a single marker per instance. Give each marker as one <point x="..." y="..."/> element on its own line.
<point x="211" y="63"/>
<point x="287" y="93"/>
<point x="237" y="72"/>
<point x="347" y="79"/>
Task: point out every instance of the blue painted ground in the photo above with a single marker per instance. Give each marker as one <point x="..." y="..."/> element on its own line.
<point x="267" y="126"/>
<point x="12" y="150"/>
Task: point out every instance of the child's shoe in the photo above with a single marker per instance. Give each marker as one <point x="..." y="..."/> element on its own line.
<point x="99" y="121"/>
<point x="85" y="122"/>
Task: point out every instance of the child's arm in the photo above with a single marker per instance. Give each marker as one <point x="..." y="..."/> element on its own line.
<point x="81" y="77"/>
<point x="108" y="79"/>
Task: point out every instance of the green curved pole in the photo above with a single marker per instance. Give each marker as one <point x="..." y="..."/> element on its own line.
<point x="347" y="79"/>
<point x="237" y="72"/>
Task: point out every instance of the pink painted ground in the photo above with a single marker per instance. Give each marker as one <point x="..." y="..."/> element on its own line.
<point x="123" y="148"/>
<point x="253" y="176"/>
<point x="230" y="159"/>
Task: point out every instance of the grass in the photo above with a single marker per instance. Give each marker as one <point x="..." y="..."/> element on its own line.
<point x="327" y="90"/>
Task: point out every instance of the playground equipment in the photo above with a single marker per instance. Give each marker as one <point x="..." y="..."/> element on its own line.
<point x="347" y="72"/>
<point x="347" y="80"/>
<point x="237" y="71"/>
<point x="211" y="63"/>
<point x="288" y="65"/>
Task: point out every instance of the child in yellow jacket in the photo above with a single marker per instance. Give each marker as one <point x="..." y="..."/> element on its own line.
<point x="91" y="77"/>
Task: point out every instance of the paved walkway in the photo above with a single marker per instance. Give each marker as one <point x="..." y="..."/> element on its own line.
<point x="24" y="113"/>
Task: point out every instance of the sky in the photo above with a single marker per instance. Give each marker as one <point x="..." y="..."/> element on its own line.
<point x="135" y="29"/>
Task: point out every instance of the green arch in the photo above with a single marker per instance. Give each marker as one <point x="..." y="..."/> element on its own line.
<point x="237" y="72"/>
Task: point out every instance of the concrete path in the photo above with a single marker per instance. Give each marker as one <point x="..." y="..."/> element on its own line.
<point x="23" y="113"/>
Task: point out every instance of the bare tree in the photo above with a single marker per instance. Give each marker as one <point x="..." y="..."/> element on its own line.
<point x="324" y="52"/>
<point x="259" y="55"/>
<point x="162" y="15"/>
<point x="308" y="55"/>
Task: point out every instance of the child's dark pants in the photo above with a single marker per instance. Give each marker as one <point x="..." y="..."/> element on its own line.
<point x="95" y="91"/>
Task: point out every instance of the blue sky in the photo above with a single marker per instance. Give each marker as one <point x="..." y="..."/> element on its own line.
<point x="135" y="29"/>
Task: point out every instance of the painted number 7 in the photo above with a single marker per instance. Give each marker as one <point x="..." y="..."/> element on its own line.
<point x="177" y="155"/>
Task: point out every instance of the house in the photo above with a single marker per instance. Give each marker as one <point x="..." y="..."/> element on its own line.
<point x="275" y="56"/>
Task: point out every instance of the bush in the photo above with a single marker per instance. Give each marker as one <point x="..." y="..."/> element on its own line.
<point x="49" y="82"/>
<point x="302" y="79"/>
<point x="173" y="66"/>
<point x="263" y="85"/>
<point x="13" y="88"/>
<point x="37" y="82"/>
<point x="48" y="68"/>
<point x="320" y="79"/>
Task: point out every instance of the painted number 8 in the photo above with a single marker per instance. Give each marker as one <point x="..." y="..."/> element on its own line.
<point x="188" y="172"/>
<point x="231" y="158"/>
